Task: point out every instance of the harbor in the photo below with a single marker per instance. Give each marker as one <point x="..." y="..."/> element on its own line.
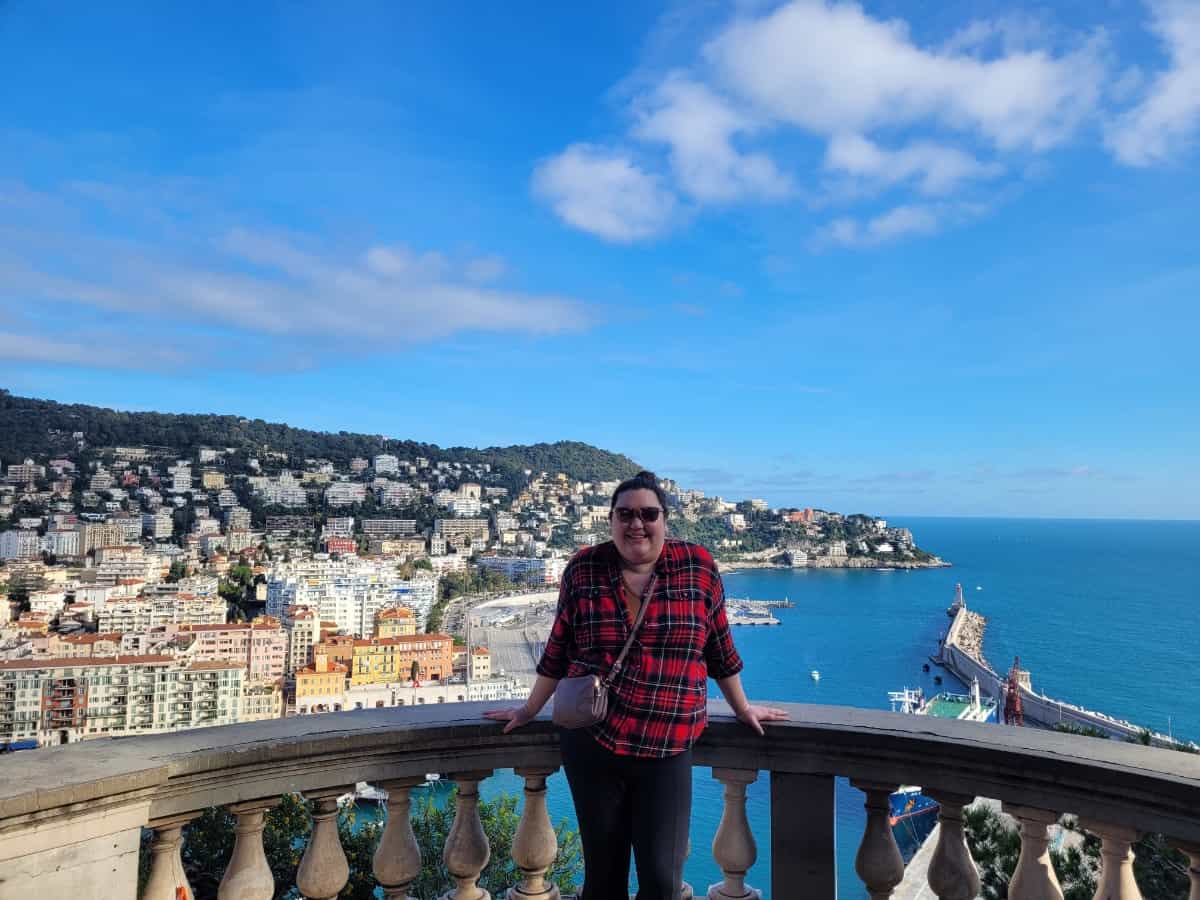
<point x="961" y="654"/>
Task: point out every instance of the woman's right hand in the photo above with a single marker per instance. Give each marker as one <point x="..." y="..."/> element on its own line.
<point x="515" y="717"/>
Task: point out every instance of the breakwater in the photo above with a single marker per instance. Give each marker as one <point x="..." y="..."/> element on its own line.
<point x="961" y="653"/>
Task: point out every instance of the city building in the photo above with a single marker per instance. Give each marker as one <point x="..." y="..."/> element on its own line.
<point x="395" y="621"/>
<point x="320" y="687"/>
<point x="58" y="701"/>
<point x="380" y="660"/>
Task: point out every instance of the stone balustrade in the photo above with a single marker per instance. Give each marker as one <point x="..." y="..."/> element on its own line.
<point x="71" y="817"/>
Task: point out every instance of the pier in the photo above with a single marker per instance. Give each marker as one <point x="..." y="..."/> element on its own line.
<point x="961" y="654"/>
<point x="752" y="612"/>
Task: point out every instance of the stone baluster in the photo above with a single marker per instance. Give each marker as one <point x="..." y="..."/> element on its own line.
<point x="1192" y="852"/>
<point x="1034" y="877"/>
<point x="1116" y="861"/>
<point x="397" y="861"/>
<point x="467" y="851"/>
<point x="248" y="876"/>
<point x="535" y="844"/>
<point x="323" y="870"/>
<point x="878" y="863"/>
<point x="733" y="846"/>
<point x="167" y="880"/>
<point x="952" y="873"/>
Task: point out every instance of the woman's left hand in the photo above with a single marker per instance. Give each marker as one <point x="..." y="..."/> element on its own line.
<point x="754" y="716"/>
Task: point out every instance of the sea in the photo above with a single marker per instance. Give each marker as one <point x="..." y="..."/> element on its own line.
<point x="1105" y="614"/>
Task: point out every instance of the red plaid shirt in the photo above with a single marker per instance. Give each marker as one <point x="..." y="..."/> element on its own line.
<point x="657" y="703"/>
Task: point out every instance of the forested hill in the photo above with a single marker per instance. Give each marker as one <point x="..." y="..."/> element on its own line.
<point x="44" y="428"/>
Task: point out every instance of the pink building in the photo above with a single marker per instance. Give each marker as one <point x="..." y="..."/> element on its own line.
<point x="261" y="646"/>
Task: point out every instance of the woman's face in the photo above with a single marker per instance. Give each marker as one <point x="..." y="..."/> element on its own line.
<point x="638" y="541"/>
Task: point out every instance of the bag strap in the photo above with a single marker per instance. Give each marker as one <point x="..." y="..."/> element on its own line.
<point x="616" y="666"/>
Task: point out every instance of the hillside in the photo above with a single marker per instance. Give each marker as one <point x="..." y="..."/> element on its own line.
<point x="42" y="428"/>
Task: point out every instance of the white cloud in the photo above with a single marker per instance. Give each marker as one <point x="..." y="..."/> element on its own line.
<point x="833" y="69"/>
<point x="902" y="221"/>
<point x="936" y="169"/>
<point x="699" y="127"/>
<point x="485" y="269"/>
<point x="1167" y="119"/>
<point x="605" y="192"/>
<point x="248" y="282"/>
<point x="34" y="348"/>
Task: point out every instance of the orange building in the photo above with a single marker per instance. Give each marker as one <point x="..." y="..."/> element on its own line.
<point x="320" y="687"/>
<point x="395" y="621"/>
<point x="383" y="660"/>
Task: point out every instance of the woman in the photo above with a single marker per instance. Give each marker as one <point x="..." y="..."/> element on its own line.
<point x="631" y="774"/>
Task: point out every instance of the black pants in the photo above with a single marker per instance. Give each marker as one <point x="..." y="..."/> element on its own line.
<point x="624" y="803"/>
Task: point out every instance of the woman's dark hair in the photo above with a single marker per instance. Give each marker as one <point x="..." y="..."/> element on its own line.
<point x="641" y="481"/>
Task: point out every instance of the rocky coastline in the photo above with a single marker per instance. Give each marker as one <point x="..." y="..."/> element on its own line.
<point x="826" y="562"/>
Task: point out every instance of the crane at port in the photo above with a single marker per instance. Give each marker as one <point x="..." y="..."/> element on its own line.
<point x="1012" y="695"/>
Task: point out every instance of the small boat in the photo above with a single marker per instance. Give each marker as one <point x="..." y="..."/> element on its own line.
<point x="925" y="668"/>
<point x="814" y="675"/>
<point x="937" y="679"/>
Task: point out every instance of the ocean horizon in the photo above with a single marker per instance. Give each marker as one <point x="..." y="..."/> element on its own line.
<point x="1085" y="603"/>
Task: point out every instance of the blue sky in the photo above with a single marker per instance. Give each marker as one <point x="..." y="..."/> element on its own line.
<point x="893" y="257"/>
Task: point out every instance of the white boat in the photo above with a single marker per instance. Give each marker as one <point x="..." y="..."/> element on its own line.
<point x="815" y="675"/>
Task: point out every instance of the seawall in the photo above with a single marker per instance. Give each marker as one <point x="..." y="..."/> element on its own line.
<point x="961" y="654"/>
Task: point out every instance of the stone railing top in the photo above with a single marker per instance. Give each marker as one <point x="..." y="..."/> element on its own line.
<point x="1147" y="788"/>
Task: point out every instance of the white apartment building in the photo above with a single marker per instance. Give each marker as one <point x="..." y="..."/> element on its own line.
<point x="459" y="531"/>
<point x="395" y="494"/>
<point x="59" y="701"/>
<point x="338" y="526"/>
<point x="20" y="544"/>
<point x="181" y="479"/>
<point x="145" y="613"/>
<point x="302" y="629"/>
<point x="348" y="591"/>
<point x="157" y="526"/>
<point x="386" y="464"/>
<point x="345" y="493"/>
<point x="282" y="491"/>
<point x="21" y="473"/>
<point x="531" y="570"/>
<point x="237" y="518"/>
<point x="465" y="506"/>
<point x="389" y="527"/>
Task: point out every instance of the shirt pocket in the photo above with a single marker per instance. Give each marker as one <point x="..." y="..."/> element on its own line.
<point x="679" y="625"/>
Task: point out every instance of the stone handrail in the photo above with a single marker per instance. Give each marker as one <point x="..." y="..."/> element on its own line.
<point x="71" y="817"/>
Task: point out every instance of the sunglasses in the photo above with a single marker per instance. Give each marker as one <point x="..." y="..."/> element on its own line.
<point x="647" y="514"/>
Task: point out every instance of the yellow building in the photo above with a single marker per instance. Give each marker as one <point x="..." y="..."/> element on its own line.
<point x="212" y="481"/>
<point x="383" y="660"/>
<point x="320" y="687"/>
<point x="395" y="621"/>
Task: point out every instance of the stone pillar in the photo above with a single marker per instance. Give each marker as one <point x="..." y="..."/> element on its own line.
<point x="248" y="876"/>
<point x="952" y="873"/>
<point x="397" y="861"/>
<point x="1034" y="877"/>
<point x="323" y="870"/>
<point x="1192" y="852"/>
<point x="467" y="850"/>
<point x="733" y="846"/>
<point x="1116" y="861"/>
<point x="535" y="845"/>
<point x="167" y="879"/>
<point x="878" y="863"/>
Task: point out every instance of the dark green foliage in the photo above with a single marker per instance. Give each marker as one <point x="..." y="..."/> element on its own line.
<point x="1161" y="871"/>
<point x="208" y="845"/>
<point x="432" y="819"/>
<point x="43" y="428"/>
<point x="1085" y="730"/>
